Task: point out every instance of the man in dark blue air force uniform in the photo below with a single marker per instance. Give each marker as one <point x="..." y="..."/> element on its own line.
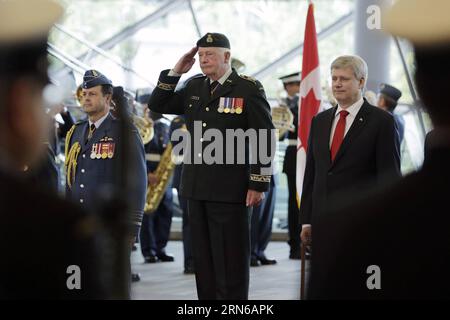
<point x="220" y="193"/>
<point x="92" y="152"/>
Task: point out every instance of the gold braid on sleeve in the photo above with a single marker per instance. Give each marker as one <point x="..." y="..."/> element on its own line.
<point x="71" y="156"/>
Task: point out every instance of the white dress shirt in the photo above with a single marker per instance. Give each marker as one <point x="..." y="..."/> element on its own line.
<point x="99" y="121"/>
<point x="352" y="112"/>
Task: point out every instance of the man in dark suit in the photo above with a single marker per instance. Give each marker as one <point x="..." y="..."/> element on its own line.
<point x="220" y="183"/>
<point x="55" y="237"/>
<point x="352" y="147"/>
<point x="395" y="244"/>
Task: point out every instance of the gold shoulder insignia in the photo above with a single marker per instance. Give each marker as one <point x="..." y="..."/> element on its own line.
<point x="251" y="79"/>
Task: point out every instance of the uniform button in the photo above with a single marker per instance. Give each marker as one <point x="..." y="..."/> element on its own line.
<point x="83" y="171"/>
<point x="84" y="156"/>
<point x="207" y="109"/>
<point x="81" y="200"/>
<point x="81" y="185"/>
<point x="201" y="139"/>
<point x="199" y="155"/>
<point x="204" y="124"/>
<point x="190" y="105"/>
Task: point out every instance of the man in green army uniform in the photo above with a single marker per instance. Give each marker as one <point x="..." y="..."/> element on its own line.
<point x="221" y="192"/>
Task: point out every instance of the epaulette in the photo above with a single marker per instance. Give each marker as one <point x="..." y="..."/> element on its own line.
<point x="197" y="76"/>
<point x="248" y="78"/>
<point x="80" y="122"/>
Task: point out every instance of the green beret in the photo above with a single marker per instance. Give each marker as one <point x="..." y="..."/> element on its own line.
<point x="214" y="40"/>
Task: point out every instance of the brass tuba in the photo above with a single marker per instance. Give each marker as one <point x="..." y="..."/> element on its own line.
<point x="144" y="126"/>
<point x="282" y="119"/>
<point x="163" y="173"/>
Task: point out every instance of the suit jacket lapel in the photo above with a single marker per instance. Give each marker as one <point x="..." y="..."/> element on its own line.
<point x="359" y="122"/>
<point x="324" y="135"/>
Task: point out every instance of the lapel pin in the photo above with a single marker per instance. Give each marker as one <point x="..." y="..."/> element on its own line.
<point x="361" y="119"/>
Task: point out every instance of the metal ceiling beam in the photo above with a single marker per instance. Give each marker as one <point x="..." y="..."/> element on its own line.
<point x="125" y="33"/>
<point x="102" y="52"/>
<point x="67" y="59"/>
<point x="194" y="17"/>
<point x="296" y="51"/>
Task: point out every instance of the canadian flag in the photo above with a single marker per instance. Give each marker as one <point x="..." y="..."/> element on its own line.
<point x="310" y="95"/>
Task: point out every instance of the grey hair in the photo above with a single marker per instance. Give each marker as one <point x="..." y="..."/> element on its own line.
<point x="225" y="50"/>
<point x="354" y="62"/>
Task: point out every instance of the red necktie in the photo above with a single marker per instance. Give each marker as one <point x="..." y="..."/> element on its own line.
<point x="338" y="134"/>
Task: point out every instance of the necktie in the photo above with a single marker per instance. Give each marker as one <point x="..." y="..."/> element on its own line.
<point x="91" y="132"/>
<point x="338" y="134"/>
<point x="214" y="85"/>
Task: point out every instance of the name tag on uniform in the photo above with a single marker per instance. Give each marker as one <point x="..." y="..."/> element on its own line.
<point x="195" y="98"/>
<point x="104" y="149"/>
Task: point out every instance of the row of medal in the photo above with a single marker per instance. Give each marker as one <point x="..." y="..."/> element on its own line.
<point x="103" y="150"/>
<point x="231" y="105"/>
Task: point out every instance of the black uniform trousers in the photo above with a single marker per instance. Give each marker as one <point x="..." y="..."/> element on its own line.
<point x="221" y="249"/>
<point x="187" y="243"/>
<point x="155" y="228"/>
<point x="294" y="225"/>
<point x="261" y="223"/>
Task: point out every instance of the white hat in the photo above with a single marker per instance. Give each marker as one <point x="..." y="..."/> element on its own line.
<point x="293" y="77"/>
<point x="423" y="22"/>
<point x="24" y="20"/>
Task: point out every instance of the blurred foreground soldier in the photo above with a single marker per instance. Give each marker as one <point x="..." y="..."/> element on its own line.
<point x="45" y="173"/>
<point x="219" y="195"/>
<point x="291" y="84"/>
<point x="402" y="231"/>
<point x="92" y="153"/>
<point x="387" y="100"/>
<point x="61" y="234"/>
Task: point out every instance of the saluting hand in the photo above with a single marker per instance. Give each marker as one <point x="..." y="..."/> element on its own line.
<point x="254" y="198"/>
<point x="186" y="61"/>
